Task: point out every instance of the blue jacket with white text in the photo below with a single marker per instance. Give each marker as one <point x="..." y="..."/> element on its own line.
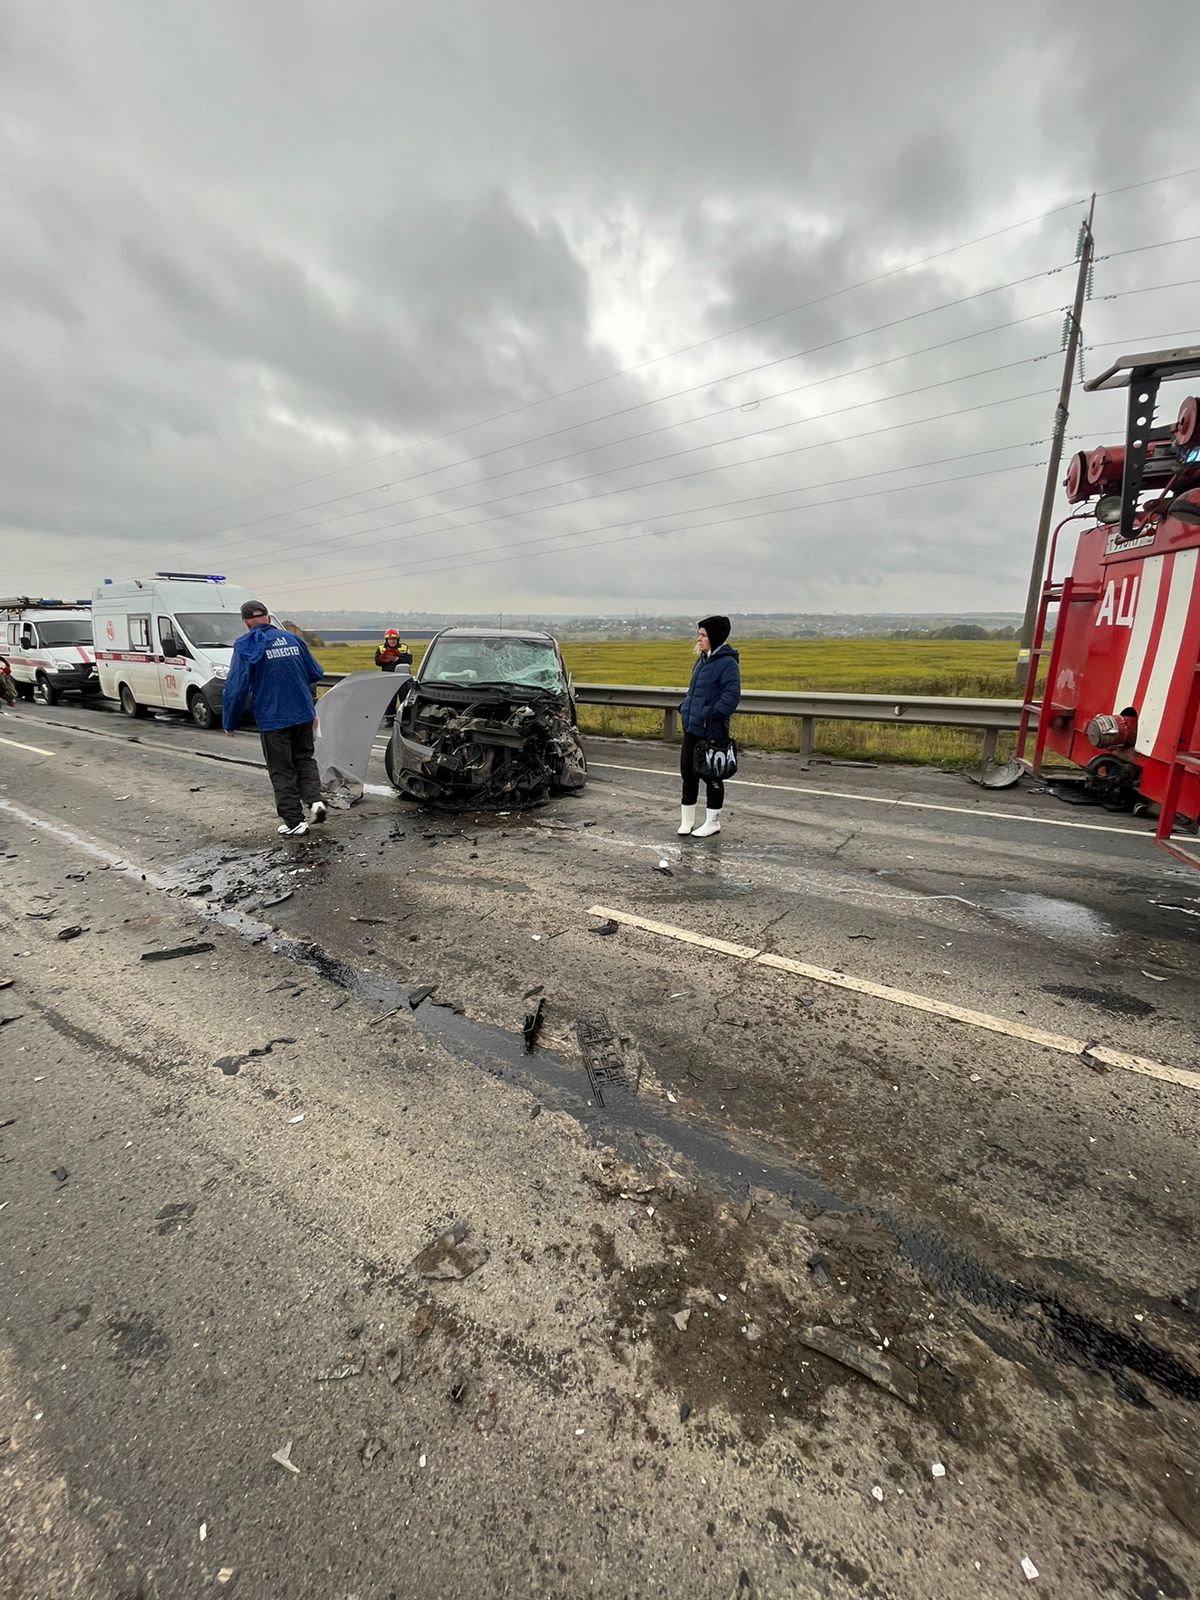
<point x="277" y="671"/>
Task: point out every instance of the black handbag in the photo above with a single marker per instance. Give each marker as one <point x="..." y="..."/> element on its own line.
<point x="715" y="760"/>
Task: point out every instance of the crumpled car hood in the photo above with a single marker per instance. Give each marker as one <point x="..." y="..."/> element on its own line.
<point x="501" y="746"/>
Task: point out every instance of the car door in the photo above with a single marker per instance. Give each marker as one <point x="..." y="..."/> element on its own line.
<point x="141" y="668"/>
<point x="174" y="659"/>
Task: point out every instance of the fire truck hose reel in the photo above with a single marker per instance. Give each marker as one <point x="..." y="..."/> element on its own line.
<point x="1108" y="732"/>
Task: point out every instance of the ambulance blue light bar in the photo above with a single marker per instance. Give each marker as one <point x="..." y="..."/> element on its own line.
<point x="191" y="577"/>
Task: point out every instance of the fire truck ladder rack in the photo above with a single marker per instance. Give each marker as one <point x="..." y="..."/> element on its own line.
<point x="1184" y="761"/>
<point x="1063" y="594"/>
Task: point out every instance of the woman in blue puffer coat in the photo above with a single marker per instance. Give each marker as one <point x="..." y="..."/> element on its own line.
<point x="711" y="700"/>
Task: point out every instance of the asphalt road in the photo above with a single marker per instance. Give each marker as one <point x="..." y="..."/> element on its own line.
<point x="217" y="1172"/>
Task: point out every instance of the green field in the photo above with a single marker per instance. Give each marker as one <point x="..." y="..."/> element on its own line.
<point x="980" y="668"/>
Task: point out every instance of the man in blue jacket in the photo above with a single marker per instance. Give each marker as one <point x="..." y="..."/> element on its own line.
<point x="277" y="671"/>
<point x="711" y="700"/>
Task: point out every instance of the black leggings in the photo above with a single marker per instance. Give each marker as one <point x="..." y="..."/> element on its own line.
<point x="714" y="788"/>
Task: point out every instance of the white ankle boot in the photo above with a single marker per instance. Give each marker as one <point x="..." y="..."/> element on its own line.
<point x="687" y="818"/>
<point x="710" y="825"/>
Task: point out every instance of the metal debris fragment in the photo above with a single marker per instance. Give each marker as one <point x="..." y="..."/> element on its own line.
<point x="533" y="1025"/>
<point x="858" y="1356"/>
<point x="682" y="1318"/>
<point x="284" y="1458"/>
<point x="199" y="949"/>
<point x="340" y="1371"/>
<point x="72" y="932"/>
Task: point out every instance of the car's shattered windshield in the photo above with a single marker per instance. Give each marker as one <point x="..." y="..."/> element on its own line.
<point x="527" y="663"/>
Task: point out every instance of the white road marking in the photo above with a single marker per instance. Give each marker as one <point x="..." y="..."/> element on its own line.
<point x="1060" y="1042"/>
<point x="883" y="800"/>
<point x="35" y="749"/>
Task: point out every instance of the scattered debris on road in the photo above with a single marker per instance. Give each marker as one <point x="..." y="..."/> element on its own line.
<point x="72" y="932"/>
<point x="392" y="1363"/>
<point x="606" y="929"/>
<point x="59" y="1174"/>
<point x="449" y="1256"/>
<point x="284" y="1458"/>
<point x="859" y="1356"/>
<point x="371" y="1451"/>
<point x="1028" y="1568"/>
<point x="200" y="949"/>
<point x="340" y="1371"/>
<point x="225" y="1574"/>
<point x="420" y="994"/>
<point x="682" y="1318"/>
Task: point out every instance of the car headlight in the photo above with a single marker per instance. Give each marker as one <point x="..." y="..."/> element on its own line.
<point x="220" y="672"/>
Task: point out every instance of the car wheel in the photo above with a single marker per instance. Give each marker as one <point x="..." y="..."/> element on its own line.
<point x="202" y="713"/>
<point x="129" y="705"/>
<point x="45" y="692"/>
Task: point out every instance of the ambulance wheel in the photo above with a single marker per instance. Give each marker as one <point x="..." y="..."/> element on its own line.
<point x="129" y="705"/>
<point x="45" y="692"/>
<point x="202" y="713"/>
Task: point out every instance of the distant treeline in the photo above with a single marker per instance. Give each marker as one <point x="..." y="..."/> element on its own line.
<point x="956" y="630"/>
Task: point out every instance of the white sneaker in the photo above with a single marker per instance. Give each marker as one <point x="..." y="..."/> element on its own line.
<point x="710" y="825"/>
<point x="301" y="827"/>
<point x="687" y="819"/>
<point x="316" y="811"/>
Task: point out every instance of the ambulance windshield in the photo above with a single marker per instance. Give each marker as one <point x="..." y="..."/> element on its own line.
<point x="211" y="630"/>
<point x="65" y="632"/>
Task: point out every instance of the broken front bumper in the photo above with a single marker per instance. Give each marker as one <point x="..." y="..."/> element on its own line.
<point x="503" y="751"/>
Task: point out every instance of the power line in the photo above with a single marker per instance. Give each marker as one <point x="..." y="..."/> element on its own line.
<point x="679" y="477"/>
<point x="696" y="510"/>
<point x="368" y="533"/>
<point x="621" y="411"/>
<point x="698" y="344"/>
<point x="837" y="500"/>
<point x="288" y="533"/>
<point x="669" y="355"/>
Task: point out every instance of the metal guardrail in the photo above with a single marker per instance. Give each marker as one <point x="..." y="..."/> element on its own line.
<point x="989" y="717"/>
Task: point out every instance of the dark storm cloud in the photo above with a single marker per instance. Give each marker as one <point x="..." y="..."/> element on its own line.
<point x="250" y="246"/>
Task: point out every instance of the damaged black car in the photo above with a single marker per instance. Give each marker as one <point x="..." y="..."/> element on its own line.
<point x="488" y="720"/>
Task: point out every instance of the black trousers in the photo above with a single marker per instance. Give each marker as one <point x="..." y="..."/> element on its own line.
<point x="714" y="788"/>
<point x="292" y="770"/>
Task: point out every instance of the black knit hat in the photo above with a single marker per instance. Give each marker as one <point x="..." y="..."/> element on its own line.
<point x="717" y="629"/>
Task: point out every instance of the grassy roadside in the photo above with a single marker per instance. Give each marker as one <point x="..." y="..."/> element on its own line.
<point x="978" y="668"/>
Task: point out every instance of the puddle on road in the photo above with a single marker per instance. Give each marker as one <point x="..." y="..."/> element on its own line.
<point x="1066" y="921"/>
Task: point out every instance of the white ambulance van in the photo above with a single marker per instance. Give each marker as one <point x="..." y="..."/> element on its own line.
<point x="166" y="642"/>
<point x="48" y="647"/>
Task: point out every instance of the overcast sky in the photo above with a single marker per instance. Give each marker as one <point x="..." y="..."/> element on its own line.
<point x="333" y="298"/>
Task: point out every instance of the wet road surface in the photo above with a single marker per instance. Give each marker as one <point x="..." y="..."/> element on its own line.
<point x="220" y="1167"/>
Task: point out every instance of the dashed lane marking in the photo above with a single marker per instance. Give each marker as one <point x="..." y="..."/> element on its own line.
<point x="1063" y="1043"/>
<point x="883" y="800"/>
<point x="33" y="748"/>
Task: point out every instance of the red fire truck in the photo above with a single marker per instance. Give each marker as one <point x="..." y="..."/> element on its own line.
<point x="1121" y="694"/>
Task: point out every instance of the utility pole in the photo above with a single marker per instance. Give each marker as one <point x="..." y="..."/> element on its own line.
<point x="1086" y="251"/>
